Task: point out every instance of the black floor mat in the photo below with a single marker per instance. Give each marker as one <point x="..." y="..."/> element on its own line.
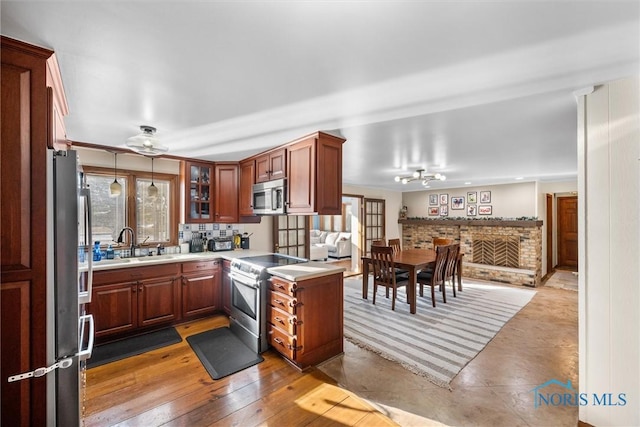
<point x="128" y="347"/>
<point x="222" y="353"/>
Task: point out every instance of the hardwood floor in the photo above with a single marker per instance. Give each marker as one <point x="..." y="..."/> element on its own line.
<point x="169" y="386"/>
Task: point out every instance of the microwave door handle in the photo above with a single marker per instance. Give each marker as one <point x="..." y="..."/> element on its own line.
<point x="85" y="297"/>
<point x="274" y="200"/>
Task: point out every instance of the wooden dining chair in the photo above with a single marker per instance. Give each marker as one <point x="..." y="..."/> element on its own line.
<point x="441" y="241"/>
<point x="435" y="277"/>
<point x="381" y="242"/>
<point x="384" y="273"/>
<point x="395" y="244"/>
<point x="450" y="266"/>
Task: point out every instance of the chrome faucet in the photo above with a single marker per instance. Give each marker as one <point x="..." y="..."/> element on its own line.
<point x="132" y="235"/>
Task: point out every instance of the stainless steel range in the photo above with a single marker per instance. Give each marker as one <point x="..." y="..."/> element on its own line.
<point x="249" y="286"/>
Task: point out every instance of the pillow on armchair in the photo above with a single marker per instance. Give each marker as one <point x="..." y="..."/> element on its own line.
<point x="344" y="236"/>
<point x="332" y="238"/>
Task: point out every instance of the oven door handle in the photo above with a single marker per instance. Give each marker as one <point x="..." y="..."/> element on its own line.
<point x="244" y="280"/>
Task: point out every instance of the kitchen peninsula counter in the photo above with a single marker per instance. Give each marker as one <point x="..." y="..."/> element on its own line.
<point x="294" y="272"/>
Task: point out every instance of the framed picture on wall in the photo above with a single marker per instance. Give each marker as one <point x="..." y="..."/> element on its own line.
<point x="434" y="211"/>
<point x="485" y="210"/>
<point x="457" y="203"/>
<point x="433" y="200"/>
<point x="472" y="210"/>
<point x="485" y="197"/>
<point x="472" y="197"/>
<point x="444" y="210"/>
<point x="444" y="199"/>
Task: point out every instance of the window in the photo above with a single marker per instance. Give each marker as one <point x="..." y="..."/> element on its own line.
<point x="153" y="219"/>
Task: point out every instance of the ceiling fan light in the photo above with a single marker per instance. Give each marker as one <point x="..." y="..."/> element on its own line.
<point x="442" y="178"/>
<point x="416" y="174"/>
<point x="396" y="179"/>
<point x="146" y="142"/>
<point x="405" y="180"/>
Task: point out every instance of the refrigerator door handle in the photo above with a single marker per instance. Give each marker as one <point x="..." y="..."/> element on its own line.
<point x="86" y="353"/>
<point x="84" y="297"/>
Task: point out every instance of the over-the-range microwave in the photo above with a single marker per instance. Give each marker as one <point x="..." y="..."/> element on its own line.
<point x="269" y="197"/>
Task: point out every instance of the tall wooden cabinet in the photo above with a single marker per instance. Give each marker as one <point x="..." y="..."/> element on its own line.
<point x="27" y="119"/>
<point x="226" y="193"/>
<point x="198" y="188"/>
<point x="314" y="175"/>
<point x="247" y="179"/>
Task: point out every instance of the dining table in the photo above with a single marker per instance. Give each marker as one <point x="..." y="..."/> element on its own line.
<point x="412" y="260"/>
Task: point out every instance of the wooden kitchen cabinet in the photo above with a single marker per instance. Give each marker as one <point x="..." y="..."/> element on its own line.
<point x="197" y="187"/>
<point x="305" y="319"/>
<point x="314" y="175"/>
<point x="226" y="287"/>
<point x="28" y="90"/>
<point x="226" y="193"/>
<point x="271" y="165"/>
<point x="129" y="300"/>
<point x="247" y="179"/>
<point x="200" y="288"/>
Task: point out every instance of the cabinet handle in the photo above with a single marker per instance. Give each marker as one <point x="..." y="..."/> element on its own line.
<point x="140" y="288"/>
<point x="278" y="319"/>
<point x="278" y="301"/>
<point x="278" y="341"/>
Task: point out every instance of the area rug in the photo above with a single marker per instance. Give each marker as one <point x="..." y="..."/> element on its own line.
<point x="128" y="347"/>
<point x="222" y="353"/>
<point x="435" y="342"/>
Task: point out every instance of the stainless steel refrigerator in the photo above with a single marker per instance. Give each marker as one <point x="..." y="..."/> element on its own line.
<point x="69" y="277"/>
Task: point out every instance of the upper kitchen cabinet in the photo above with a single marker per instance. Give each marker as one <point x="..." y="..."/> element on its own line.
<point x="314" y="175"/>
<point x="198" y="191"/>
<point x="271" y="165"/>
<point x="56" y="106"/>
<point x="247" y="179"/>
<point x="226" y="193"/>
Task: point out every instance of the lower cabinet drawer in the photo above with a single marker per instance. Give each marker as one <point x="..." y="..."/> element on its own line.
<point x="282" y="301"/>
<point x="283" y="342"/>
<point x="283" y="320"/>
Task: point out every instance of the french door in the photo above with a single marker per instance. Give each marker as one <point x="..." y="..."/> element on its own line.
<point x="290" y="235"/>
<point x="374" y="222"/>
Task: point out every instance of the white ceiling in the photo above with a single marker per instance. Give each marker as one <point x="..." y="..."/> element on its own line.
<point x="480" y="91"/>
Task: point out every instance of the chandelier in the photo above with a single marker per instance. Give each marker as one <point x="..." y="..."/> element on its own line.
<point x="419" y="175"/>
<point x="146" y="142"/>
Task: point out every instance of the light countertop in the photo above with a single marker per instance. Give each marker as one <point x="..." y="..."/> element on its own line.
<point x="294" y="272"/>
<point x="306" y="270"/>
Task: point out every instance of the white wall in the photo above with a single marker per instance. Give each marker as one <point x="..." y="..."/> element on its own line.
<point x="507" y="200"/>
<point x="609" y="261"/>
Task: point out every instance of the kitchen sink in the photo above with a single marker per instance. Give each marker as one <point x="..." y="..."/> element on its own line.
<point x="152" y="258"/>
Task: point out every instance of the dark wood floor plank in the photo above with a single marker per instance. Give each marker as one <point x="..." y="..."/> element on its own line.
<point x="170" y="387"/>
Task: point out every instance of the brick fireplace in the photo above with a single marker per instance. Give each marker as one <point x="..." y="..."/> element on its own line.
<point x="507" y="251"/>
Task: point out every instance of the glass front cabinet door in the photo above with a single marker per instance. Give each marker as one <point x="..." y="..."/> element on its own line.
<point x="199" y="196"/>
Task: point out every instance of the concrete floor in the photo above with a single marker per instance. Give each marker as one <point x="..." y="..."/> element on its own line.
<point x="538" y="344"/>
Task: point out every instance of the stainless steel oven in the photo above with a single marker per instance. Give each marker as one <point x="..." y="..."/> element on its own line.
<point x="249" y="292"/>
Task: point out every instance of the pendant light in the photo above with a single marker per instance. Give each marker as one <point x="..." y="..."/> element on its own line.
<point x="115" y="189"/>
<point x="152" y="191"/>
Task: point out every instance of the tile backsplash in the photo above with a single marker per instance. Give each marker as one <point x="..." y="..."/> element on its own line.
<point x="210" y="231"/>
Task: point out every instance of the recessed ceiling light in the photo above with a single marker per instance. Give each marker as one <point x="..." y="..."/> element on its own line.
<point x="519" y="178"/>
<point x="467" y="183"/>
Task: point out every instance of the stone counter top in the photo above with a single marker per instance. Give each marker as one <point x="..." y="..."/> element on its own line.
<point x="112" y="264"/>
<point x="303" y="271"/>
